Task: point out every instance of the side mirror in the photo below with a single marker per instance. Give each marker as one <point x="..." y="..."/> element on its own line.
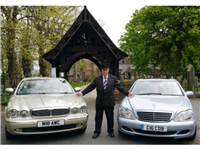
<point x="189" y="93"/>
<point x="77" y="89"/>
<point x="9" y="90"/>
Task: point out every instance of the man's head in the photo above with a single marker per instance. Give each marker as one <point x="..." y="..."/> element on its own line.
<point x="105" y="69"/>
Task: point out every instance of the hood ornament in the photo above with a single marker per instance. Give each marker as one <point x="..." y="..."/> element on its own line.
<point x="154" y="106"/>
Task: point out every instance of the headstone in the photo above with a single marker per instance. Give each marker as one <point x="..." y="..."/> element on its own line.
<point x="191" y="78"/>
<point x="184" y="84"/>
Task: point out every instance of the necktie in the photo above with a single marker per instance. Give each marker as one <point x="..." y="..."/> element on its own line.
<point x="105" y="83"/>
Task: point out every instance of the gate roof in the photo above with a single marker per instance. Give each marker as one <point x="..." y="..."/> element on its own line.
<point x="85" y="18"/>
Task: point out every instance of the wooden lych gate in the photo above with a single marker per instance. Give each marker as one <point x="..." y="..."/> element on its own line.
<point x="84" y="39"/>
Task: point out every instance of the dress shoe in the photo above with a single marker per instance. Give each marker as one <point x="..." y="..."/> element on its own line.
<point x="95" y="135"/>
<point x="112" y="135"/>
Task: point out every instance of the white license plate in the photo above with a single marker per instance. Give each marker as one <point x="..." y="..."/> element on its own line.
<point x="49" y="123"/>
<point x="154" y="128"/>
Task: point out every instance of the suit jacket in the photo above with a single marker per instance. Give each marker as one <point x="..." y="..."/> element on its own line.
<point x="105" y="97"/>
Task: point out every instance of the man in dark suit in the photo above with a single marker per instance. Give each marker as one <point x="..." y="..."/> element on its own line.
<point x="105" y="85"/>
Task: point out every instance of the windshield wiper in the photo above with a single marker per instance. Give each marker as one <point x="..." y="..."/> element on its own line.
<point x="173" y="94"/>
<point x="65" y="93"/>
<point x="149" y="94"/>
<point x="45" y="93"/>
<point x="24" y="93"/>
<point x="57" y="93"/>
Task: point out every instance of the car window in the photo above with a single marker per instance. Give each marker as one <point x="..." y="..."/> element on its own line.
<point x="45" y="86"/>
<point x="157" y="88"/>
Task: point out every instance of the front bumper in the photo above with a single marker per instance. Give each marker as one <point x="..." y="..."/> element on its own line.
<point x="175" y="130"/>
<point x="28" y="126"/>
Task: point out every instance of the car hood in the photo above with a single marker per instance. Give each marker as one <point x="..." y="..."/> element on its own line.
<point x="28" y="102"/>
<point x="158" y="103"/>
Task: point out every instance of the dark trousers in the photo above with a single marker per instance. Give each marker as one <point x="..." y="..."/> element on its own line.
<point x="99" y="117"/>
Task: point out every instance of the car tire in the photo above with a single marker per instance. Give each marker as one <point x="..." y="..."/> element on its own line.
<point x="82" y="130"/>
<point x="8" y="135"/>
<point x="194" y="136"/>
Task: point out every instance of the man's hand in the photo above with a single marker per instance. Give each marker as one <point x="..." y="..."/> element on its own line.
<point x="79" y="94"/>
<point x="130" y="94"/>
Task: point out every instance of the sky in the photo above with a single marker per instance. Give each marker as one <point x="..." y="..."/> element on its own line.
<point x="115" y="17"/>
<point x="115" y="13"/>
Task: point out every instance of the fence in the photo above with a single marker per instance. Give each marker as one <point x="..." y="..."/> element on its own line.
<point x="12" y="82"/>
<point x="6" y="82"/>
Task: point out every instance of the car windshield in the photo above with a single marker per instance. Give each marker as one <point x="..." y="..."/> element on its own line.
<point x="156" y="88"/>
<point x="44" y="86"/>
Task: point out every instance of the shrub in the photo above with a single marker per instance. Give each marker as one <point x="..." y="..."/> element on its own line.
<point x="90" y="79"/>
<point x="5" y="98"/>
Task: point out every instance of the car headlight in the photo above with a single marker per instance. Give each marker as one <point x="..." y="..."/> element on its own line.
<point x="24" y="113"/>
<point x="83" y="109"/>
<point x="13" y="113"/>
<point x="126" y="113"/>
<point x="74" y="110"/>
<point x="184" y="116"/>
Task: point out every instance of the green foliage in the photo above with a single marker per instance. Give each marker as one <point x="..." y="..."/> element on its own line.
<point x="5" y="98"/>
<point x="50" y="23"/>
<point x="163" y="36"/>
<point x="90" y="79"/>
<point x="8" y="35"/>
<point x="30" y="31"/>
<point x="77" y="84"/>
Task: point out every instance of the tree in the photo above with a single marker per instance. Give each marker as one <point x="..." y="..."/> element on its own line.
<point x="27" y="32"/>
<point x="8" y="35"/>
<point x="51" y="23"/>
<point x="167" y="37"/>
<point x="25" y="42"/>
<point x="4" y="62"/>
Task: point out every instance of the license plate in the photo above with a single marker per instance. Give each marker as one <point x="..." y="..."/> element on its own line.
<point x="50" y="123"/>
<point x="154" y="128"/>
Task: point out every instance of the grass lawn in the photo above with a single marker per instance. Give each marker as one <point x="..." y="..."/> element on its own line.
<point x="78" y="84"/>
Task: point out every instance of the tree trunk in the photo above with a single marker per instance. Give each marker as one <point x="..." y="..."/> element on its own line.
<point x="11" y="17"/>
<point x="11" y="55"/>
<point x="27" y="58"/>
<point x="42" y="63"/>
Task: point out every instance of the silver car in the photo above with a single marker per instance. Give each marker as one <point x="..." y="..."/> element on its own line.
<point x="44" y="105"/>
<point x="160" y="108"/>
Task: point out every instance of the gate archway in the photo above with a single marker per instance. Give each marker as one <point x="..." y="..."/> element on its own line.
<point x="85" y="39"/>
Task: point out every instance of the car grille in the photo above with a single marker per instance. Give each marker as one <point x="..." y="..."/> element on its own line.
<point x="155" y="133"/>
<point x="154" y="116"/>
<point x="71" y="126"/>
<point x="50" y="112"/>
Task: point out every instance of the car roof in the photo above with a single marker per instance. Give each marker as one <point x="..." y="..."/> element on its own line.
<point x="171" y="79"/>
<point x="33" y="78"/>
